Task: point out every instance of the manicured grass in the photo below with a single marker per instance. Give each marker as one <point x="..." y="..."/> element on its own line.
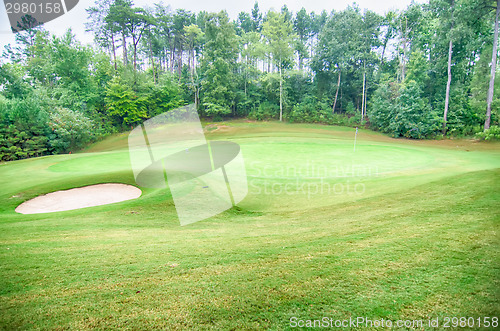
<point x="414" y="234"/>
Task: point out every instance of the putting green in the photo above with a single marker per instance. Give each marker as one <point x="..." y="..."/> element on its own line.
<point x="300" y="172"/>
<point x="397" y="229"/>
<point x="289" y="167"/>
<point x="94" y="163"/>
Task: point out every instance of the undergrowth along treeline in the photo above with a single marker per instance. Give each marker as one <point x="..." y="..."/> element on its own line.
<point x="351" y="67"/>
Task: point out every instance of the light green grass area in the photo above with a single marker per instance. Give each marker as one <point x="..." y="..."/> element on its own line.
<point x="397" y="229"/>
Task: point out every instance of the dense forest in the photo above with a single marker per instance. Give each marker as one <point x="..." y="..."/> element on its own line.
<point x="423" y="72"/>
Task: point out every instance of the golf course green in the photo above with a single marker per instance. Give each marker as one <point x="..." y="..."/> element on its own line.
<point x="392" y="229"/>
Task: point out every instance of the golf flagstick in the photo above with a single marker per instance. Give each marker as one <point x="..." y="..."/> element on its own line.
<point x="355" y="136"/>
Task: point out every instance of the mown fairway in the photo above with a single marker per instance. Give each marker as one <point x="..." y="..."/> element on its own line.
<point x="396" y="230"/>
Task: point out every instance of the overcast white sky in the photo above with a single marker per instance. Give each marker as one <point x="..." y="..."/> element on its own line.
<point x="75" y="18"/>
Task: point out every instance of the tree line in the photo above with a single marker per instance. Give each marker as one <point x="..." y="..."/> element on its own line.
<point x="423" y="72"/>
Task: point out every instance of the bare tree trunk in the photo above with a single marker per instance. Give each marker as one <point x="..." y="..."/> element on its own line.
<point x="172" y="59"/>
<point x="135" y="56"/>
<point x="493" y="69"/>
<point x="152" y="61"/>
<point x="192" y="71"/>
<point x="196" y="98"/>
<point x="341" y="97"/>
<point x="336" y="93"/>
<point x="193" y="61"/>
<point x="190" y="58"/>
<point x="114" y="50"/>
<point x="447" y="99"/>
<point x="124" y="41"/>
<point x="386" y="40"/>
<point x="363" y="95"/>
<point x="281" y="97"/>
<point x="246" y="73"/>
<point x="164" y="59"/>
<point x="281" y="94"/>
<point x="403" y="73"/>
<point x="366" y="96"/>
<point x="179" y="62"/>
<point x="448" y="83"/>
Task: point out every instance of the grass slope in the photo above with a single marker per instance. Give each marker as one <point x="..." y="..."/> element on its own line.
<point x="420" y="240"/>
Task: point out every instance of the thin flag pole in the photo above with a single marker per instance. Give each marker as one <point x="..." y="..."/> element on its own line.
<point x="355" y="136"/>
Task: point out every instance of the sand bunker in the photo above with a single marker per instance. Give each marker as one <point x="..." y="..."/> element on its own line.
<point x="81" y="197"/>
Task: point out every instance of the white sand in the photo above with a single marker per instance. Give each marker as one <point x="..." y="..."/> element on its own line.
<point x="87" y="196"/>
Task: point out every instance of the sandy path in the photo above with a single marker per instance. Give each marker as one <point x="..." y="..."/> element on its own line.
<point x="87" y="196"/>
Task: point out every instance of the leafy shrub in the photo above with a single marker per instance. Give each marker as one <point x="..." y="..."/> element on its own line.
<point x="297" y="86"/>
<point x="245" y="103"/>
<point x="124" y="106"/>
<point x="214" y="109"/>
<point x="71" y="130"/>
<point x="23" y="128"/>
<point x="339" y="119"/>
<point x="461" y="120"/>
<point x="265" y="111"/>
<point x="471" y="130"/>
<point x="493" y="133"/>
<point x="16" y="145"/>
<point x="383" y="108"/>
<point x="350" y="110"/>
<point x="162" y="97"/>
<point x="403" y="112"/>
<point x="311" y="110"/>
<point x="414" y="118"/>
<point x="345" y="120"/>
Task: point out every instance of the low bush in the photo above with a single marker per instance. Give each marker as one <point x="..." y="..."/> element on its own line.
<point x="23" y="129"/>
<point x="493" y="133"/>
<point x="402" y="111"/>
<point x="265" y="111"/>
<point x="311" y="110"/>
<point x="29" y="129"/>
<point x="71" y="130"/>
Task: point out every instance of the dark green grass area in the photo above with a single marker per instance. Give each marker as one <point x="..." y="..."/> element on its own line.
<point x="421" y="241"/>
